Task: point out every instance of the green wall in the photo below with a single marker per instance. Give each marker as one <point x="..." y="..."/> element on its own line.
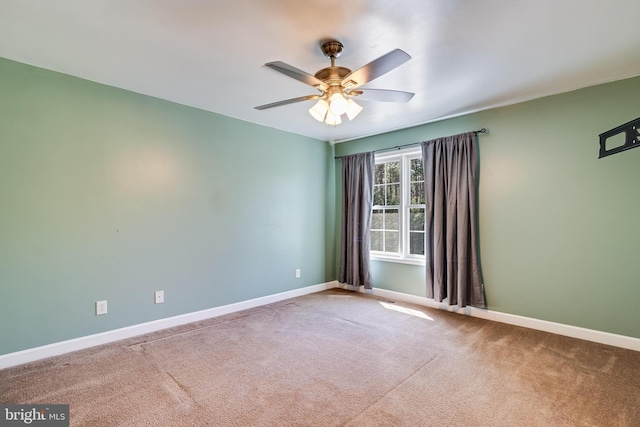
<point x="107" y="194"/>
<point x="559" y="229"/>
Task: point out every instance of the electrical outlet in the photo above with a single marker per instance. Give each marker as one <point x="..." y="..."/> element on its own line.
<point x="297" y="272"/>
<point x="101" y="307"/>
<point x="159" y="297"/>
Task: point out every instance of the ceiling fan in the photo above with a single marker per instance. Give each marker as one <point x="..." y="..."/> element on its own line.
<point x="337" y="85"/>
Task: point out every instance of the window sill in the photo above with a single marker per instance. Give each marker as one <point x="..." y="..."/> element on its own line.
<point x="409" y="261"/>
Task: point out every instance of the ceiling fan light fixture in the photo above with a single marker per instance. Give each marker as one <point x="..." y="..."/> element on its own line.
<point x="353" y="109"/>
<point x="338" y="104"/>
<point x="319" y="110"/>
<point x="338" y="85"/>
<point x="333" y="119"/>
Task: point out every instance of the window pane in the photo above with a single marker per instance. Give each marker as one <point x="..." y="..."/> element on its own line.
<point x="416" y="170"/>
<point x="391" y="241"/>
<point x="391" y="219"/>
<point x="393" y="194"/>
<point x="398" y="216"/>
<point x="379" y="174"/>
<point x="393" y="172"/>
<point x="376" y="241"/>
<point x="417" y="193"/>
<point x="376" y="219"/>
<point x="378" y="195"/>
<point x="416" y="243"/>
<point x="416" y="219"/>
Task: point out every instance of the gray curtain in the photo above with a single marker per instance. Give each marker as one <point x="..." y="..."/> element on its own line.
<point x="451" y="182"/>
<point x="357" y="202"/>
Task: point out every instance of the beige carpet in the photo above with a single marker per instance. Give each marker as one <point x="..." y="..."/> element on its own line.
<point x="338" y="358"/>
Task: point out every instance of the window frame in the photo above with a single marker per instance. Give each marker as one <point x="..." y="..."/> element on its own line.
<point x="404" y="156"/>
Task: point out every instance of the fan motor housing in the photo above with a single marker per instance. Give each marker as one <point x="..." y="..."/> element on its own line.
<point x="332" y="73"/>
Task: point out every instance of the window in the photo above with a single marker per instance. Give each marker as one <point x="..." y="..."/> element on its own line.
<point x="397" y="223"/>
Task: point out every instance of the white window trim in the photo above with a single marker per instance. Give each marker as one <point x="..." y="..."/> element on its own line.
<point x="375" y="256"/>
<point x="405" y="155"/>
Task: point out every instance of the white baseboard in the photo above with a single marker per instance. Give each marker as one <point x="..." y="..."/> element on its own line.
<point x="55" y="349"/>
<point x="512" y="319"/>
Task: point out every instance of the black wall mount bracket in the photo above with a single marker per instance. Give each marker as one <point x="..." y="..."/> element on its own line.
<point x="632" y="138"/>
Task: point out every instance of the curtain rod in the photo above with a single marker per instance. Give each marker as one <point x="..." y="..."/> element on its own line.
<point x="397" y="147"/>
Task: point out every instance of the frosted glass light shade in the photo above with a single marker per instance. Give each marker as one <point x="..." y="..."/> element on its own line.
<point x="337" y="104"/>
<point x="333" y="119"/>
<point x="319" y="110"/>
<point x="353" y="109"/>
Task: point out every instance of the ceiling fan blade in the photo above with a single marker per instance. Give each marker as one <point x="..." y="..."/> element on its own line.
<point x="293" y="72"/>
<point x="288" y="101"/>
<point x="376" y="68"/>
<point x="382" y="95"/>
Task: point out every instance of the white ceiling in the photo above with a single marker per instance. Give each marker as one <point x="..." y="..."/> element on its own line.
<point x="468" y="55"/>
